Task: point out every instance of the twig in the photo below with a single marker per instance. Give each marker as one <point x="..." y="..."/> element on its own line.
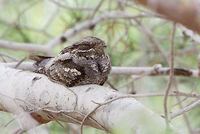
<point x="179" y="101"/>
<point x="30" y="47"/>
<point x="171" y="75"/>
<point x="97" y="8"/>
<point x="91" y="23"/>
<point x="20" y="62"/>
<point x="187" y="94"/>
<point x="14" y="25"/>
<point x="186" y="109"/>
<point x="151" y="38"/>
<point x="162" y="94"/>
<point x="82" y="122"/>
<point x="111" y="85"/>
<point x="8" y="56"/>
<point x="100" y="105"/>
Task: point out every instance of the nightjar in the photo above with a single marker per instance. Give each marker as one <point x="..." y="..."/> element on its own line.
<point x="84" y="62"/>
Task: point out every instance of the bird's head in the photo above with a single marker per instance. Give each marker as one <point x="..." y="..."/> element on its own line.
<point x="87" y="45"/>
<point x="91" y="42"/>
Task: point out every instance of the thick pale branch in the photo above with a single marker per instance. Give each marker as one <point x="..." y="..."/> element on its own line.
<point x="46" y="101"/>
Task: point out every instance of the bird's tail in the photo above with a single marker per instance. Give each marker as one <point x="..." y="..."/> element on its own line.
<point x="40" y="62"/>
<point x="38" y="58"/>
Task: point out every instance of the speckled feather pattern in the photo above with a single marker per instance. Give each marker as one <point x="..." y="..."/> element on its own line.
<point x="84" y="62"/>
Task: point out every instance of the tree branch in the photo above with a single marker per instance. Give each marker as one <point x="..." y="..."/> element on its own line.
<point x="186" y="109"/>
<point x="30" y="47"/>
<point x="87" y="24"/>
<point x="45" y="101"/>
<point x="156" y="70"/>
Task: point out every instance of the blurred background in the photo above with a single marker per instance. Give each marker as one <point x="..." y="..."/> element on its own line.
<point x="135" y="37"/>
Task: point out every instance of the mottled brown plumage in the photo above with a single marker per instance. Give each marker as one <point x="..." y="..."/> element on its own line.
<point x="85" y="62"/>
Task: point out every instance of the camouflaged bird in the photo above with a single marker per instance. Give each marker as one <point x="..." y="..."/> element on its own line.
<point x="84" y="62"/>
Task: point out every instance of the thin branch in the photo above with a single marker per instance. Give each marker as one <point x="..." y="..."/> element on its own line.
<point x="8" y="56"/>
<point x="174" y="94"/>
<point x="153" y="71"/>
<point x="30" y="47"/>
<point x="14" y="25"/>
<point x="186" y="109"/>
<point x="150" y="36"/>
<point x="185" y="117"/>
<point x="87" y="116"/>
<point x="171" y="75"/>
<point x="144" y="71"/>
<point x="96" y="8"/>
<point x="87" y="24"/>
<point x="195" y="95"/>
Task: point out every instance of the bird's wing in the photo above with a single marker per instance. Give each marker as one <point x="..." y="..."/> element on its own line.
<point x="66" y="72"/>
<point x="104" y="64"/>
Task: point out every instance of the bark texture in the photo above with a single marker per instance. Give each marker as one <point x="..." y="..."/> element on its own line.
<point x="23" y="92"/>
